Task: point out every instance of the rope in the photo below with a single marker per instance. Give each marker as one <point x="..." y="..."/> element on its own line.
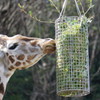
<point x="78" y="10"/>
<point x="64" y="8"/>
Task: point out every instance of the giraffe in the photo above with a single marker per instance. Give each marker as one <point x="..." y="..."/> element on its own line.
<point x="20" y="52"/>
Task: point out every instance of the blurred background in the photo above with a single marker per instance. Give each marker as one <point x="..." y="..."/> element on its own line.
<point x="39" y="81"/>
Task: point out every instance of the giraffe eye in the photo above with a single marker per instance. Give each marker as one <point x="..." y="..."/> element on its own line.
<point x="13" y="46"/>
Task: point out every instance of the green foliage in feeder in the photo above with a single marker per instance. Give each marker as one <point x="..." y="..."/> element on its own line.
<point x="72" y="56"/>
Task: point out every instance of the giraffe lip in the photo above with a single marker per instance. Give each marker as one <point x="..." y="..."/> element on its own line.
<point x="50" y="48"/>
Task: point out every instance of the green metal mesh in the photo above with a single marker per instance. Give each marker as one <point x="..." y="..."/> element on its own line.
<point x="72" y="71"/>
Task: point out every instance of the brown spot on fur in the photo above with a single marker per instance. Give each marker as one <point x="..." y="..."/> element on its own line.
<point x="18" y="63"/>
<point x="11" y="68"/>
<point x="2" y="88"/>
<point x="24" y="63"/>
<point x="21" y="57"/>
<point x="26" y="39"/>
<point x="39" y="46"/>
<point x="28" y="61"/>
<point x="7" y="75"/>
<point x="33" y="43"/>
<point x="11" y="59"/>
<point x="31" y="57"/>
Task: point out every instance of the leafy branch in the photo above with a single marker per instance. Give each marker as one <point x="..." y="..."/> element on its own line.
<point x="52" y="3"/>
<point x="34" y="17"/>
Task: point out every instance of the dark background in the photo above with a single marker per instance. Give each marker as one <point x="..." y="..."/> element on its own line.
<point x="39" y="81"/>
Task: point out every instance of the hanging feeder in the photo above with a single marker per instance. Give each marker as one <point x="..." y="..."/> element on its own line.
<point x="72" y="71"/>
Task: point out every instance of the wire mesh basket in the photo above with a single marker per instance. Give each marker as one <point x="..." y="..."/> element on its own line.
<point x="72" y="71"/>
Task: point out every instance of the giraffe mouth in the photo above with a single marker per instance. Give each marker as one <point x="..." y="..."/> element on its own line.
<point x="49" y="47"/>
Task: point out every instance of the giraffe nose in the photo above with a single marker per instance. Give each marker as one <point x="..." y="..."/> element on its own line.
<point x="49" y="45"/>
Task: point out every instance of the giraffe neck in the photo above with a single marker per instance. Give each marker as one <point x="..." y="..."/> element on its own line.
<point x="5" y="75"/>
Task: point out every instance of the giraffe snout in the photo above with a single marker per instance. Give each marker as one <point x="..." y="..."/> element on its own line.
<point x="49" y="46"/>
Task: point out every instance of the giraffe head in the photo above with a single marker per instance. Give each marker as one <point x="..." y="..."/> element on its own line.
<point x="21" y="52"/>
